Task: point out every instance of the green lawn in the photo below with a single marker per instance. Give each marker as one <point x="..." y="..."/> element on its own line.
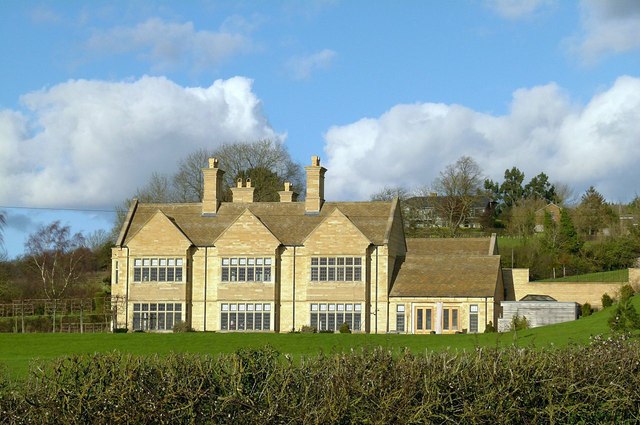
<point x="610" y="276"/>
<point x="18" y="350"/>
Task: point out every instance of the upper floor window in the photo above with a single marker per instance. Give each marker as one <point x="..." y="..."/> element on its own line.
<point x="158" y="269"/>
<point x="246" y="269"/>
<point x="340" y="269"/>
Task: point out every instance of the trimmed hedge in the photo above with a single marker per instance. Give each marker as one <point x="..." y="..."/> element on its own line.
<point x="581" y="384"/>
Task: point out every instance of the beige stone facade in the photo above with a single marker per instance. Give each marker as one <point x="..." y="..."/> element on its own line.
<point x="279" y="266"/>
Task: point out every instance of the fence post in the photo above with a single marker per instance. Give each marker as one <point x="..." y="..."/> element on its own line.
<point x="81" y="323"/>
<point x="22" y="313"/>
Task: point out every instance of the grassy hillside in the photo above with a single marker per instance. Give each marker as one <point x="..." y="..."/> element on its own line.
<point x="18" y="350"/>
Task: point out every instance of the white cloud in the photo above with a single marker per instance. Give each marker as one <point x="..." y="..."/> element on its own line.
<point x="516" y="9"/>
<point x="611" y="26"/>
<point x="581" y="145"/>
<point x="301" y="68"/>
<point x="91" y="143"/>
<point x="168" y="45"/>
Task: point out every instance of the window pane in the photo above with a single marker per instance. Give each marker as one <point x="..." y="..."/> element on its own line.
<point x="225" y="274"/>
<point x="266" y="321"/>
<point x="250" y="321"/>
<point x="170" y="276"/>
<point x="137" y="262"/>
<point x="419" y="320"/>
<point x="445" y="319"/>
<point x="136" y="322"/>
<point x="356" y="321"/>
<point x="332" y="322"/>
<point x="162" y="274"/>
<point x="224" y="321"/>
<point x="258" y="320"/>
<point x="137" y="275"/>
<point x="267" y="274"/>
<point x="454" y="319"/>
<point x="357" y="275"/>
<point x="154" y="274"/>
<point x="314" y="320"/>
<point x="171" y="262"/>
<point x="178" y="274"/>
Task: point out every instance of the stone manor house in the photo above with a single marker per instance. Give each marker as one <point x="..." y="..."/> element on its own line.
<point x="246" y="266"/>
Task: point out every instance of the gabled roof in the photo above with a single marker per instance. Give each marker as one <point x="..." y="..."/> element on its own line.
<point x="286" y="220"/>
<point x="447" y="268"/>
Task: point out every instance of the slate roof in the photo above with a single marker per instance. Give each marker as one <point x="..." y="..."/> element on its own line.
<point x="447" y="268"/>
<point x="286" y="220"/>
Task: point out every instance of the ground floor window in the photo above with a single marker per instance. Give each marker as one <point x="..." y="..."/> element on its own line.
<point x="245" y="317"/>
<point x="473" y="318"/>
<point x="400" y="318"/>
<point x="449" y="319"/>
<point x="156" y="316"/>
<point x="329" y="317"/>
<point x="424" y="320"/>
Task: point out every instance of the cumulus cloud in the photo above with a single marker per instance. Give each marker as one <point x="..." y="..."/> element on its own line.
<point x="580" y="145"/>
<point x="516" y="9"/>
<point x="168" y="45"/>
<point x="91" y="143"/>
<point x="607" y="27"/>
<point x="301" y="68"/>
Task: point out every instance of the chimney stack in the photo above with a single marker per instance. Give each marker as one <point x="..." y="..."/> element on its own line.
<point x="287" y="195"/>
<point x="242" y="192"/>
<point x="212" y="195"/>
<point x="315" y="187"/>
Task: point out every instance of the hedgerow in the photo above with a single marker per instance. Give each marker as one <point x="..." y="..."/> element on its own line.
<point x="596" y="383"/>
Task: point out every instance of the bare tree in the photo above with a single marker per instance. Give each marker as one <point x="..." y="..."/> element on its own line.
<point x="188" y="181"/>
<point x="3" y="222"/>
<point x="58" y="258"/>
<point x="458" y="185"/>
<point x="388" y="193"/>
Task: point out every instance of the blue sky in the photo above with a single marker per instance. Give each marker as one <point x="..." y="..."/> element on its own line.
<point x="95" y="96"/>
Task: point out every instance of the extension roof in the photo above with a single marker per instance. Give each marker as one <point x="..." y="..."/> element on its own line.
<point x="460" y="267"/>
<point x="286" y="220"/>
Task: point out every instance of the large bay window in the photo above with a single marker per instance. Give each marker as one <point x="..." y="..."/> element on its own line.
<point x="158" y="270"/>
<point x="245" y="317"/>
<point x="329" y="317"/>
<point x="246" y="270"/>
<point x="156" y="316"/>
<point x="336" y="269"/>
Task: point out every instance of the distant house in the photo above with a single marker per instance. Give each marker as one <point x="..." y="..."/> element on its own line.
<point x="424" y="211"/>
<point x="550" y="208"/>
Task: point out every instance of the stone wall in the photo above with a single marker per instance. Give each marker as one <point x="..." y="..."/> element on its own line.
<point x="517" y="285"/>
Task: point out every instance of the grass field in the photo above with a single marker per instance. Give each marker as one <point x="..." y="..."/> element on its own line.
<point x="610" y="276"/>
<point x="18" y="350"/>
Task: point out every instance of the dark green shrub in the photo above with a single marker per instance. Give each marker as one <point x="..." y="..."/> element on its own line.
<point x="586" y="310"/>
<point x="326" y="331"/>
<point x="257" y="386"/>
<point x="624" y="317"/>
<point x="489" y="328"/>
<point x="344" y="328"/>
<point x="182" y="327"/>
<point x="607" y="301"/>
<point x="626" y="292"/>
<point x="519" y="323"/>
<point x="308" y="329"/>
<point x="120" y="330"/>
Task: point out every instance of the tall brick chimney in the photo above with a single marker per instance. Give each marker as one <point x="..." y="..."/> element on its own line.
<point x="212" y="194"/>
<point x="315" y="187"/>
<point x="242" y="192"/>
